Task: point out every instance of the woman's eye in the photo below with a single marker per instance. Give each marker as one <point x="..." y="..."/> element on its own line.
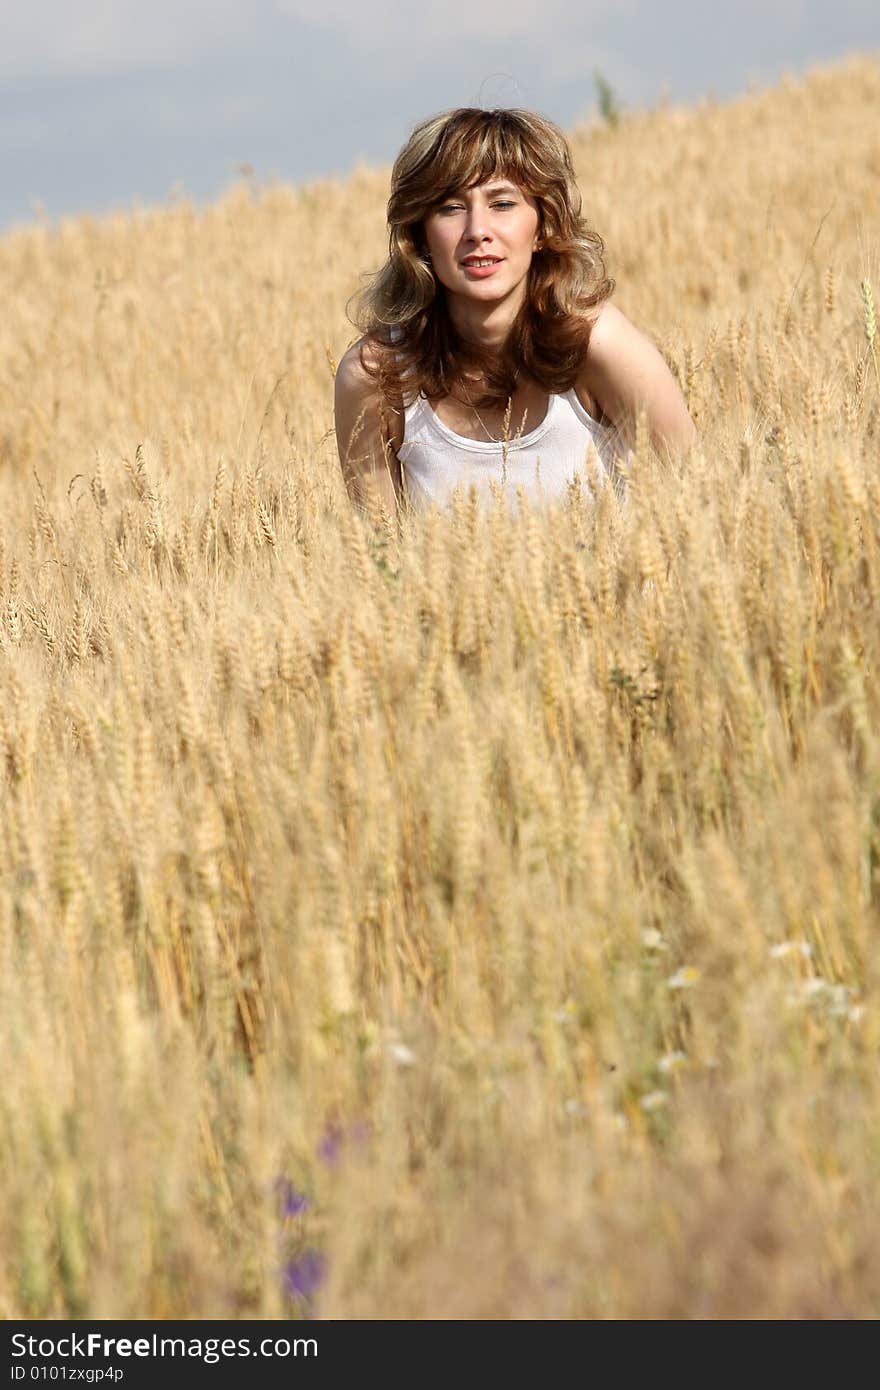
<point x="456" y="207"/>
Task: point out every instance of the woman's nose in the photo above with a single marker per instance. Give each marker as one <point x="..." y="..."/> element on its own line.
<point x="475" y="222"/>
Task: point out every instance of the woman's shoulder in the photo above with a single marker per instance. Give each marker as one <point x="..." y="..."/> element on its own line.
<point x="614" y="341"/>
<point x="604" y="319"/>
<point x="367" y="352"/>
<point x="357" y="373"/>
<point x="353" y="359"/>
<point x="627" y="373"/>
<point x="615" y="348"/>
<point x="358" y="383"/>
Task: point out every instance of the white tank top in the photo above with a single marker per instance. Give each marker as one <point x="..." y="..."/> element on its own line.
<point x="436" y="460"/>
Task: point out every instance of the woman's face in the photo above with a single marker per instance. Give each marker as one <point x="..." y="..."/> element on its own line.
<point x="495" y="220"/>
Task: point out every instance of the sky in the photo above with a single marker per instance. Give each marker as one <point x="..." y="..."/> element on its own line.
<point x="110" y="104"/>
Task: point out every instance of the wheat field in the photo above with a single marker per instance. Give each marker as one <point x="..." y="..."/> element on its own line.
<point x="478" y="921"/>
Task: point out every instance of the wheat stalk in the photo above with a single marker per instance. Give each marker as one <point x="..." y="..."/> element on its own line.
<point x="870" y="322"/>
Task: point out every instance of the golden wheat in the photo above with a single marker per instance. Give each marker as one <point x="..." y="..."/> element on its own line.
<point x="505" y="886"/>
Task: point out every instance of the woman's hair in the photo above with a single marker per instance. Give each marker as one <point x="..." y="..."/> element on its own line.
<point x="401" y="311"/>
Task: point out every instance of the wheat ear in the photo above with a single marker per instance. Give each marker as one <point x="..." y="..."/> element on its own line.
<point x="871" y="325"/>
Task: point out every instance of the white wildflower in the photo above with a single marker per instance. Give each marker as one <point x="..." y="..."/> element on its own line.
<point x="815" y="986"/>
<point x="790" y="948"/>
<point x="838" y="1000"/>
<point x="672" y="1062"/>
<point x="685" y="978"/>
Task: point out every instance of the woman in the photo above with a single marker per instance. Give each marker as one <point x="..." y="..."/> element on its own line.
<point x="490" y="351"/>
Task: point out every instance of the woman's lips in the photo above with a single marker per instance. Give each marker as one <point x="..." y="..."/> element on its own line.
<point x="479" y="272"/>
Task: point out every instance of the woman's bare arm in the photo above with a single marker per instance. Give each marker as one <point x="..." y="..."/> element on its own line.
<point x="370" y="467"/>
<point x="626" y="374"/>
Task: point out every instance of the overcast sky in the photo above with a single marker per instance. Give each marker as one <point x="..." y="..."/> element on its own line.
<point x="108" y="102"/>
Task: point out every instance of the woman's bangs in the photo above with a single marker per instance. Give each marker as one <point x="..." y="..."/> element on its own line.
<point x="491" y="153"/>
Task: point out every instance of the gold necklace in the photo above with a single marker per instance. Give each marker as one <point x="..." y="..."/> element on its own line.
<point x="498" y="439"/>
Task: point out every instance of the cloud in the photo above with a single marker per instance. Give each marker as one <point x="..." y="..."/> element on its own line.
<point x="46" y="37"/>
<point x="42" y="37"/>
<point x="400" y="23"/>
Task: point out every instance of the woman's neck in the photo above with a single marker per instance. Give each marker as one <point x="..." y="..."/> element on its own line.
<point x="487" y="325"/>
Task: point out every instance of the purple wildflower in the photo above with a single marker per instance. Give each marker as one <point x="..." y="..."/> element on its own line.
<point x="290" y="1202"/>
<point x="360" y="1132"/>
<point x="335" y="1137"/>
<point x="303" y="1275"/>
<point x="330" y="1147"/>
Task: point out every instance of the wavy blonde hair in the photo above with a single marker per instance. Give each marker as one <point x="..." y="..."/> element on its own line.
<point x="401" y="315"/>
